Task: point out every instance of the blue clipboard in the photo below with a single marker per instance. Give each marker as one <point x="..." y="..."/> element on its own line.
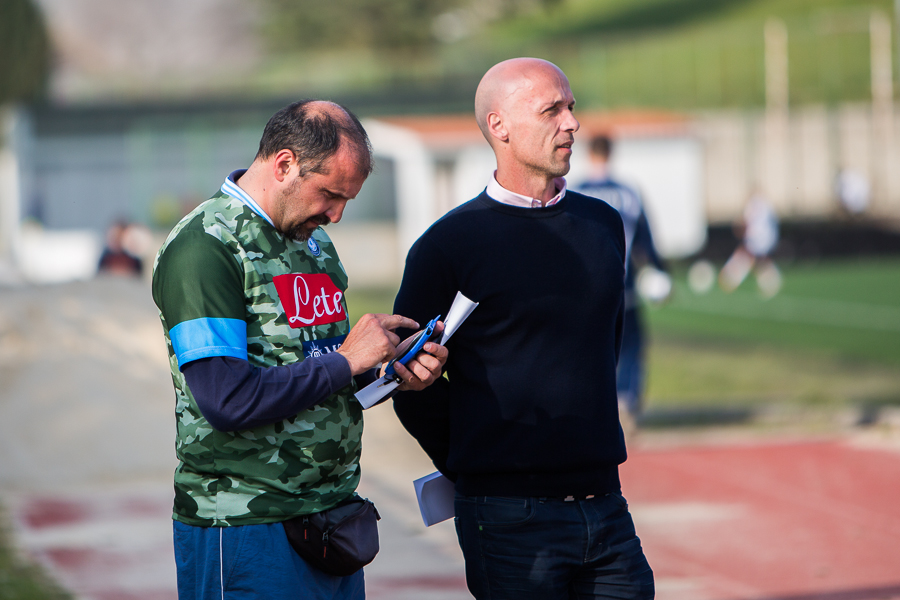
<point x="426" y="335"/>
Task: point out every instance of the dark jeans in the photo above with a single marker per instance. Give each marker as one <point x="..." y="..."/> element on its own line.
<point x="550" y="549"/>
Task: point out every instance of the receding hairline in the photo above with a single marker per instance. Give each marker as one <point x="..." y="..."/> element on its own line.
<point x="332" y="109"/>
<point x="341" y="114"/>
<point x="327" y="108"/>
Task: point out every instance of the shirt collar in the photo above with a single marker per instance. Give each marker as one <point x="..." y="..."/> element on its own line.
<point x="501" y="194"/>
<point x="231" y="188"/>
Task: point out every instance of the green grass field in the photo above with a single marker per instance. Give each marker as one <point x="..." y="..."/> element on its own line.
<point x="848" y="310"/>
<point x="676" y="54"/>
<point x="700" y="53"/>
<point x="830" y="339"/>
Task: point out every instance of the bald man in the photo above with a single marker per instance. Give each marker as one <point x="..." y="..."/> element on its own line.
<point x="250" y="291"/>
<point x="526" y="422"/>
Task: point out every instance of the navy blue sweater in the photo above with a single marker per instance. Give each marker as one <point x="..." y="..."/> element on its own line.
<point x="529" y="404"/>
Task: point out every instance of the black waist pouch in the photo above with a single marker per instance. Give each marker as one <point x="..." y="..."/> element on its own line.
<point x="339" y="541"/>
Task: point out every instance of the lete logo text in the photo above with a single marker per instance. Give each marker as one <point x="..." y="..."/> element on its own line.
<point x="309" y="299"/>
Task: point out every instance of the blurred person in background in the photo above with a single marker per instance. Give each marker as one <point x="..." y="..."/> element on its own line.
<point x="250" y="291"/>
<point x="853" y="191"/>
<point x="526" y="423"/>
<point x="639" y="251"/>
<point x="758" y="231"/>
<point x="125" y="244"/>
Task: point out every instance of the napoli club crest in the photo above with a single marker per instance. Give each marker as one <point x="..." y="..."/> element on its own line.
<point x="313" y="247"/>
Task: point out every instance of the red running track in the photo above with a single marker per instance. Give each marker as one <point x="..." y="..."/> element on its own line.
<point x="779" y="521"/>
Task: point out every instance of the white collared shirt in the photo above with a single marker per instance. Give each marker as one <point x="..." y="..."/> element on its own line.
<point x="501" y="194"/>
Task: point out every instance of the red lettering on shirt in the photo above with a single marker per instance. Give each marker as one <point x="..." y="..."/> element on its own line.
<point x="309" y="299"/>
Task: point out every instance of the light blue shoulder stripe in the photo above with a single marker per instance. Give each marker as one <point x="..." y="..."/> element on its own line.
<point x="205" y="337"/>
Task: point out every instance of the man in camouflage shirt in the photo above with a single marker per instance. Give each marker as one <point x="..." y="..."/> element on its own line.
<point x="251" y="297"/>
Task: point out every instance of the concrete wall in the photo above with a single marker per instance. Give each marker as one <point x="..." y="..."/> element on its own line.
<point x="70" y="181"/>
<point x="795" y="159"/>
<point x="666" y="168"/>
<point x="76" y="176"/>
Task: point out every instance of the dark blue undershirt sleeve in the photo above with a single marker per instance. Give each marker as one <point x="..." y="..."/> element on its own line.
<point x="234" y="395"/>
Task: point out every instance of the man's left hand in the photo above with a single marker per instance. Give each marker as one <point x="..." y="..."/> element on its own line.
<point x="424" y="369"/>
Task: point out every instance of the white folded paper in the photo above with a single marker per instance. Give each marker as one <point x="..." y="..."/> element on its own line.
<point x="435" y="495"/>
<point x="460" y="310"/>
<point x="375" y="392"/>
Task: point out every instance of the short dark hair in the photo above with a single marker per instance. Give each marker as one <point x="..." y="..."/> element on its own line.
<point x="314" y="136"/>
<point x="601" y="145"/>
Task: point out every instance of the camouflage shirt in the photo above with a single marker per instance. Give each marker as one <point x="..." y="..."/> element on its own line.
<point x="228" y="284"/>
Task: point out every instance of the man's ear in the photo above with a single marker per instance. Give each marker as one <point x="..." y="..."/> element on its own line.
<point x="497" y="127"/>
<point x="282" y="164"/>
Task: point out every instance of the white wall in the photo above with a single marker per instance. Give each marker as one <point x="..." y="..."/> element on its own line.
<point x="669" y="173"/>
<point x="414" y="172"/>
<point x="475" y="165"/>
<point x="9" y="188"/>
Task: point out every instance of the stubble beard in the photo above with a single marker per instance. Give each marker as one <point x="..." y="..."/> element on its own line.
<point x="555" y="165"/>
<point x="555" y="168"/>
<point x="301" y="232"/>
<point x="561" y="166"/>
<point x="298" y="234"/>
<point x="548" y="167"/>
<point x="560" y="170"/>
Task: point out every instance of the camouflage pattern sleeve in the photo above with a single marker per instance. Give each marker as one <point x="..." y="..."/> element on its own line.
<point x="198" y="287"/>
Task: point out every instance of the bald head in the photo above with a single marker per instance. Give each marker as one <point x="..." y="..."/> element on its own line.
<point x="314" y="130"/>
<point x="500" y="85"/>
<point x="524" y="109"/>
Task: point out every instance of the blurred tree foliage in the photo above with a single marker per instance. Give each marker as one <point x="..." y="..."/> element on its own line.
<point x="24" y="51"/>
<point x="380" y="24"/>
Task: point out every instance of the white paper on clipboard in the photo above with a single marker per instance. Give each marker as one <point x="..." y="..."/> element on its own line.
<point x="377" y="391"/>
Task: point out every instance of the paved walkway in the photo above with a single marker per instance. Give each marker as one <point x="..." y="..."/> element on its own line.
<point x="798" y="520"/>
<point x="86" y="436"/>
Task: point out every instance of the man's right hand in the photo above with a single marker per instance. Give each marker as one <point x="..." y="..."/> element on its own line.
<point x="372" y="341"/>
